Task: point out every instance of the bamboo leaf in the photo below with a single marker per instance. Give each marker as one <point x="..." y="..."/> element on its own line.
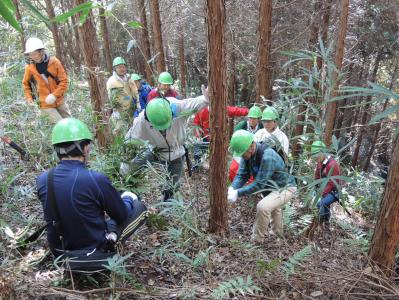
<point x="135" y="24"/>
<point x="84" y="8"/>
<point x="36" y="12"/>
<point x="7" y="14"/>
<point x="384" y="114"/>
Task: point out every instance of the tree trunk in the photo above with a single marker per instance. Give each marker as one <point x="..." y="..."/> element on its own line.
<point x="215" y="15"/>
<point x="96" y="78"/>
<point x="263" y="67"/>
<point x="55" y="32"/>
<point x="182" y="63"/>
<point x="314" y="30"/>
<point x="156" y="25"/>
<point x="19" y="19"/>
<point x="106" y="41"/>
<point x="231" y="90"/>
<point x="145" y="42"/>
<point x="377" y="127"/>
<point x="365" y="114"/>
<point x="245" y="86"/>
<point x="386" y="234"/>
<point x="331" y="111"/>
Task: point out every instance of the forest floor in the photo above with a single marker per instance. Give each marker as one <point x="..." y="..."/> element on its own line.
<point x="174" y="257"/>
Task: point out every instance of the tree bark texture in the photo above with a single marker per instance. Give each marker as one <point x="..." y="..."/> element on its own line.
<point x="156" y="25"/>
<point x="96" y="78"/>
<point x="377" y="127"/>
<point x="331" y="110"/>
<point x="263" y="66"/>
<point x="386" y="234"/>
<point x="231" y="90"/>
<point x="215" y="18"/>
<point x="106" y="41"/>
<point x="55" y="32"/>
<point x="145" y="42"/>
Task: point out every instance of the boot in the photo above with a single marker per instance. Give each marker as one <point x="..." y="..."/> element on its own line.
<point x="167" y="195"/>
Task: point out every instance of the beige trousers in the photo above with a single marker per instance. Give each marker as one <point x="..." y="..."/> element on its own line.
<point x="56" y="114"/>
<point x="270" y="208"/>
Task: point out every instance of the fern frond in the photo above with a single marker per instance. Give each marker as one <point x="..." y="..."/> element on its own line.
<point x="235" y="286"/>
<point x="295" y="260"/>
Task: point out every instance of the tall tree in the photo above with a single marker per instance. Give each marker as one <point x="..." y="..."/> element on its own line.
<point x="384" y="244"/>
<point x="231" y="80"/>
<point x="314" y="30"/>
<point x="215" y="18"/>
<point x="182" y="63"/>
<point x="157" y="28"/>
<point x="331" y="111"/>
<point x="106" y="41"/>
<point x="263" y="66"/>
<point x="55" y="32"/>
<point x="377" y="127"/>
<point x="145" y="41"/>
<point x="96" y="78"/>
<point x="365" y="114"/>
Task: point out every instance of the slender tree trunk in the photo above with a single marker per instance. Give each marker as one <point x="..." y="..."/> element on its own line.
<point x="377" y="127"/>
<point x="314" y="30"/>
<point x="339" y="56"/>
<point x="55" y="32"/>
<point x="96" y="78"/>
<point x="182" y="63"/>
<point x="145" y="42"/>
<point x="245" y="86"/>
<point x="106" y="41"/>
<point x="263" y="67"/>
<point x="215" y="18"/>
<point x="231" y="90"/>
<point x="19" y="19"/>
<point x="365" y="114"/>
<point x="156" y="25"/>
<point x="386" y="234"/>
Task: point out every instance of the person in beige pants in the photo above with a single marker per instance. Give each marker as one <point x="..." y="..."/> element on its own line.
<point x="271" y="180"/>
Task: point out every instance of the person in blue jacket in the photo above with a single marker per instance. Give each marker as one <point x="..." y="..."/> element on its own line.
<point x="84" y="197"/>
<point x="144" y="89"/>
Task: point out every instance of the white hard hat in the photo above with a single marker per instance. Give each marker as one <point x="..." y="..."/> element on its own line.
<point x="33" y="44"/>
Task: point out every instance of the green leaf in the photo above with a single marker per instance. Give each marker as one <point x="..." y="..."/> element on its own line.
<point x="84" y="7"/>
<point x="36" y="12"/>
<point x="7" y="14"/>
<point x="385" y="113"/>
<point x="135" y="24"/>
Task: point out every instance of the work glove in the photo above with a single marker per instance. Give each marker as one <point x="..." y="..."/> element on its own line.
<point x="50" y="99"/>
<point x="133" y="196"/>
<point x="232" y="195"/>
<point x="205" y="92"/>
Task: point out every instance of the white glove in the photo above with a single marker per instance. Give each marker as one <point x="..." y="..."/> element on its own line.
<point x="205" y="92"/>
<point x="133" y="196"/>
<point x="124" y="169"/>
<point x="232" y="195"/>
<point x="50" y="99"/>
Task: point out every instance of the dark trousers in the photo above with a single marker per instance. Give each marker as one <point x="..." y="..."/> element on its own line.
<point x="135" y="219"/>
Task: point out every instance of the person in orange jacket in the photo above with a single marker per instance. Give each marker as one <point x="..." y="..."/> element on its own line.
<point x="50" y="79"/>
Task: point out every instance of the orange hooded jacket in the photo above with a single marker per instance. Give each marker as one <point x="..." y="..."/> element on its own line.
<point x="43" y="88"/>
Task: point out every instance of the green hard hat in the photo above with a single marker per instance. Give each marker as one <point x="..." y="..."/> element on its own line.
<point x="135" y="77"/>
<point x="118" y="61"/>
<point x="240" y="142"/>
<point x="159" y="113"/>
<point x="269" y="114"/>
<point x="165" y="78"/>
<point x="317" y="146"/>
<point x="70" y="130"/>
<point x="255" y="112"/>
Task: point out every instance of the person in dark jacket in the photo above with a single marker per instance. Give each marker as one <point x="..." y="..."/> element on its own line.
<point x="82" y="197"/>
<point x="144" y="90"/>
